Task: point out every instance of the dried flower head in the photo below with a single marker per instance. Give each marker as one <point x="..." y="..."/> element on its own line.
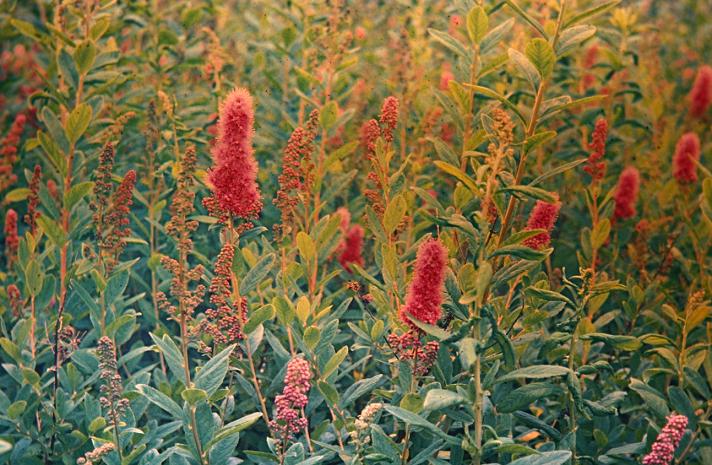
<point x="409" y="347"/>
<point x="234" y="171"/>
<point x="116" y="221"/>
<point x="33" y="200"/>
<point x="684" y="162"/>
<point x="112" y="391"/>
<point x="96" y="455"/>
<point x="225" y="320"/>
<point x="626" y="194"/>
<point x="389" y="118"/>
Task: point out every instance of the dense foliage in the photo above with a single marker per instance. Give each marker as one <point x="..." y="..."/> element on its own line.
<point x="359" y="232"/>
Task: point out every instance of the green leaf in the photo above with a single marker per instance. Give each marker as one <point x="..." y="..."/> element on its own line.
<point x="233" y="428"/>
<point x="115" y="286"/>
<point x="78" y="122"/>
<point x="311" y="337"/>
<point x="558" y="170"/>
<point x="618" y="341"/>
<point x="495" y="36"/>
<point x="533" y="22"/>
<point x="306" y="246"/>
<point x="505" y="101"/>
<point x="24" y="28"/>
<point x="533" y="192"/>
<point x="329" y="392"/>
<point x="437" y="399"/>
<point x="572" y="37"/>
<point x="17" y="195"/>
<point x="548" y="295"/>
<point x="212" y="374"/>
<point x="558" y="457"/>
<point x="16" y="409"/>
<point x="328" y="114"/>
<point x="526" y="67"/>
<point x="172" y="355"/>
<point x="591" y="12"/>
<point x="11" y="349"/>
<point x="395" y="211"/>
<point x="34" y="278"/>
<point x="334" y="362"/>
<point x="477" y="24"/>
<point x="600" y="233"/>
<point x="541" y="54"/>
<point x="449" y="42"/>
<point x="538" y="139"/>
<point x="259" y="316"/>
<point x="161" y="400"/>
<point x="524" y="396"/>
<point x="534" y="372"/>
<point x="417" y="421"/>
<point x="459" y="174"/>
<point x="193" y="395"/>
<point x="76" y="193"/>
<point x="257" y="273"/>
<point x="522" y="251"/>
<point x="652" y="398"/>
<point x="84" y="56"/>
<point x="52" y="230"/>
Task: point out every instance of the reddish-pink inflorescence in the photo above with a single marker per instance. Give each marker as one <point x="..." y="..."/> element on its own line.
<point x="684" y="162"/>
<point x="701" y="92"/>
<point x="424" y="296"/>
<point x="234" y="171"/>
<point x="543" y="216"/>
<point x="595" y="166"/>
<point x="12" y="240"/>
<point x="225" y="321"/>
<point x="288" y="419"/>
<point x="33" y="199"/>
<point x="626" y="194"/>
<point x="368" y="133"/>
<point x="8" y="151"/>
<point x="663" y="449"/>
<point x="352" y="248"/>
<point x="389" y="118"/>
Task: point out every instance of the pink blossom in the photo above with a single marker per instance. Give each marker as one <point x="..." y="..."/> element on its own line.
<point x="543" y="216"/>
<point x="425" y="293"/>
<point x="626" y="194"/>
<point x="701" y="93"/>
<point x="663" y="449"/>
<point x="684" y="162"/>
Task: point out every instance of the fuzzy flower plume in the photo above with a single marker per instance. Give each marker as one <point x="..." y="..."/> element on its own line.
<point x="234" y="172"/>
<point x="543" y="216"/>
<point x="288" y="420"/>
<point x="368" y="134"/>
<point x="663" y="450"/>
<point x="626" y="194"/>
<point x="701" y="93"/>
<point x="8" y="151"/>
<point x="117" y="220"/>
<point x="684" y="162"/>
<point x="425" y="293"/>
<point x="389" y="118"/>
<point x="12" y="241"/>
<point x="112" y="391"/>
<point x="352" y="247"/>
<point x="594" y="166"/>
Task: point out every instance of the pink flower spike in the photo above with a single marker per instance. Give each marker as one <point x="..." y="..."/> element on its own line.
<point x="663" y="449"/>
<point x="626" y="194"/>
<point x="701" y="92"/>
<point x="684" y="162"/>
<point x="543" y="216"/>
<point x="424" y="296"/>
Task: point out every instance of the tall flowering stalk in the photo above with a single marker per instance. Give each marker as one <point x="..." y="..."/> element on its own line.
<point x="288" y="419"/>
<point x="33" y="199"/>
<point x="234" y="172"/>
<point x="379" y="194"/>
<point x="113" y="399"/>
<point x="8" y="151"/>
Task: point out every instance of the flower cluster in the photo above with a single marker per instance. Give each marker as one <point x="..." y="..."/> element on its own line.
<point x="370" y="132"/>
<point x="296" y="177"/>
<point x="408" y="346"/>
<point x="96" y="455"/>
<point x="626" y="194"/>
<point x="288" y="420"/>
<point x="350" y="249"/>
<point x="594" y="166"/>
<point x="684" y="162"/>
<point x="425" y="292"/>
<point x="8" y="151"/>
<point x="543" y="216"/>
<point x="234" y="172"/>
<point x="12" y="240"/>
<point x="701" y="92"/>
<point x="224" y="322"/>
<point x="663" y="450"/>
<point x="113" y="391"/>
<point x="33" y="199"/>
<point x="117" y="221"/>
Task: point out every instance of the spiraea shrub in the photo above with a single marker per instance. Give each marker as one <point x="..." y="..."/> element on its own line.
<point x="361" y="232"/>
